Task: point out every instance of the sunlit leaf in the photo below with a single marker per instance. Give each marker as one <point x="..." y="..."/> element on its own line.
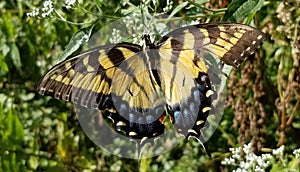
<point x="238" y="9"/>
<point x="33" y="162"/>
<point x="296" y="125"/>
<point x="99" y="5"/>
<point x="5" y="49"/>
<point x="27" y="97"/>
<point x="8" y="25"/>
<point x="14" y="55"/>
<point x="77" y="40"/>
<point x="13" y="128"/>
<point x="178" y="8"/>
<point x="3" y="65"/>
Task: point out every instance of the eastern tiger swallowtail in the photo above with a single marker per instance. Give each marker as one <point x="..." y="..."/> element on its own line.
<point x="138" y="86"/>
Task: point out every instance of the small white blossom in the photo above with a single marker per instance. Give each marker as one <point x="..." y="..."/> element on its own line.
<point x="297" y="153"/>
<point x="34" y="13"/>
<point x="228" y="161"/>
<point x="69" y="3"/>
<point x="279" y="151"/>
<point x="245" y="165"/>
<point x="240" y="170"/>
<point x="47" y="8"/>
<point x="136" y="40"/>
<point x="247" y="148"/>
<point x="263" y="160"/>
<point x="258" y="169"/>
<point x="115" y="37"/>
<point x="169" y="6"/>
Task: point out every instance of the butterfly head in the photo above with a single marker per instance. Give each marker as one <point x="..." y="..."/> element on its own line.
<point x="147" y="43"/>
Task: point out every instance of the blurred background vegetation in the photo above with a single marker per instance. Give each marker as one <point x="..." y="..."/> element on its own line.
<point x="39" y="133"/>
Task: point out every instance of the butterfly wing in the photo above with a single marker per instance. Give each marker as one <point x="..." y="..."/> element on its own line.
<point x="230" y="42"/>
<point x="187" y="48"/>
<point x="86" y="79"/>
<point x="187" y="89"/>
<point x="138" y="98"/>
<point x="113" y="78"/>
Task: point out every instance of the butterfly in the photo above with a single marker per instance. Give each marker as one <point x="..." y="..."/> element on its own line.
<point x="137" y="87"/>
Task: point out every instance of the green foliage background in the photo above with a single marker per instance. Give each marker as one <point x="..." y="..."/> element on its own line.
<point x="42" y="134"/>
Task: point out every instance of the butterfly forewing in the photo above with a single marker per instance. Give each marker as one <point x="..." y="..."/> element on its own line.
<point x="230" y="42"/>
<point x="86" y="79"/>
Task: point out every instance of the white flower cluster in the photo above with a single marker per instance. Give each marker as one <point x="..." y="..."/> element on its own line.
<point x="133" y="24"/>
<point x="169" y="6"/>
<point x="35" y="12"/>
<point x="296" y="152"/>
<point x="48" y="8"/>
<point x="279" y="151"/>
<point x="115" y="36"/>
<point x="45" y="11"/>
<point x="69" y="3"/>
<point x="252" y="162"/>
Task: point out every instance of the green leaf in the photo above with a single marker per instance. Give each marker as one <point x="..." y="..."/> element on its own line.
<point x="18" y="130"/>
<point x="33" y="162"/>
<point x="294" y="164"/>
<point x="7" y="125"/>
<point x="77" y="40"/>
<point x="296" y="125"/>
<point x="99" y="5"/>
<point x="3" y="65"/>
<point x="9" y="28"/>
<point x="5" y="49"/>
<point x="238" y="9"/>
<point x="14" y="55"/>
<point x="27" y="97"/>
<point x="178" y="8"/>
<point x="13" y="128"/>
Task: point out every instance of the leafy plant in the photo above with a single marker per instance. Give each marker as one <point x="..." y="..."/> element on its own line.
<point x="42" y="134"/>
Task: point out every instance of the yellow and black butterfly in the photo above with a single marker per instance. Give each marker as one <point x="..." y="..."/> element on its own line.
<point x="138" y="86"/>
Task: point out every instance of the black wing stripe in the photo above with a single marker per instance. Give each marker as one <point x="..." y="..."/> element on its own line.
<point x="176" y="45"/>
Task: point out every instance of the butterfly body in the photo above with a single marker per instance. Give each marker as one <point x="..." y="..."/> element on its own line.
<point x="138" y="87"/>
